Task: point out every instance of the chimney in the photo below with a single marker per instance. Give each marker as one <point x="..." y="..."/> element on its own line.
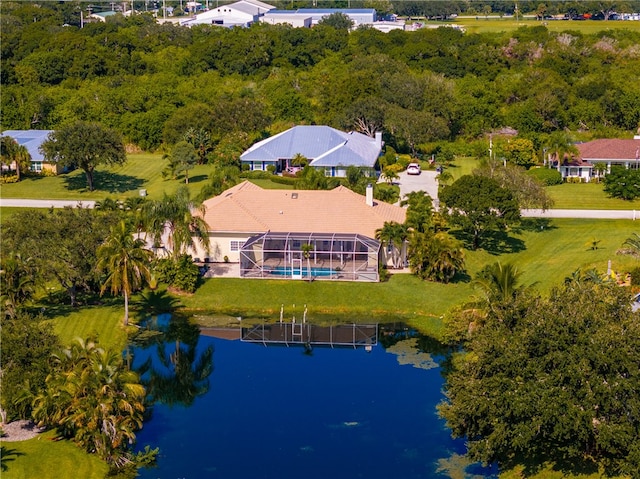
<point x="379" y="138"/>
<point x="369" y="197"/>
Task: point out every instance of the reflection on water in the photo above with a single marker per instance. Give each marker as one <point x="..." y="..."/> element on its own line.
<point x="282" y="412"/>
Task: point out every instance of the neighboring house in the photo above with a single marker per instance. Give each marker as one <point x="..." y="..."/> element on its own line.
<point x="265" y="230"/>
<point x="239" y="14"/>
<point x="305" y="17"/>
<point x="31" y="140"/>
<point x="326" y="148"/>
<point x="604" y="152"/>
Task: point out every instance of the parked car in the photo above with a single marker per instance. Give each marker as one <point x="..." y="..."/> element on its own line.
<point x="413" y="169"/>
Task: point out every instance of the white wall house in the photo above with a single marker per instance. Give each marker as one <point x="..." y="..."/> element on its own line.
<point x="239" y="14"/>
<point x="596" y="158"/>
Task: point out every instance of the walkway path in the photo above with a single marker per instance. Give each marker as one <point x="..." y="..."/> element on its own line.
<point x="17" y="202"/>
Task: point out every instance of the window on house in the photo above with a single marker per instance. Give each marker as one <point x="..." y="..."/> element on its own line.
<point x="236" y="245"/>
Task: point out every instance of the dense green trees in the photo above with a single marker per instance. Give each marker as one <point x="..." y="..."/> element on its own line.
<point x="551" y="379"/>
<point x="153" y="83"/>
<point x="622" y="183"/>
<point x="61" y="243"/>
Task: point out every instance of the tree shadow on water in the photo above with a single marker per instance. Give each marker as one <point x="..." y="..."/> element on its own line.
<point x="105" y="181"/>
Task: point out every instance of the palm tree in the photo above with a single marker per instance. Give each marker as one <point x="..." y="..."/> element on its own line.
<point x="435" y="257"/>
<point x="394" y="235"/>
<point x="12" y="152"/>
<point x="175" y="216"/>
<point x="631" y="246"/>
<point x="92" y="398"/>
<point x="18" y="280"/>
<point x="306" y="249"/>
<point x="126" y="261"/>
<point x="499" y="282"/>
<point x="560" y="144"/>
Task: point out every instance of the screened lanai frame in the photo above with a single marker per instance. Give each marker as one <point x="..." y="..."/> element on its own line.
<point x="333" y="256"/>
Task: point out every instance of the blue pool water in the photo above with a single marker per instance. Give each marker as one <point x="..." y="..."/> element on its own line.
<point x="287" y="271"/>
<point x="278" y="413"/>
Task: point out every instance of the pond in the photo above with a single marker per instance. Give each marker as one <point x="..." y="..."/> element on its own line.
<point x="267" y="408"/>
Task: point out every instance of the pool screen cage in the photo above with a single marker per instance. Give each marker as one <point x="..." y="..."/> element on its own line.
<point x="330" y="256"/>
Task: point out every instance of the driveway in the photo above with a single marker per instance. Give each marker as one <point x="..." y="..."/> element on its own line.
<point x="425" y="181"/>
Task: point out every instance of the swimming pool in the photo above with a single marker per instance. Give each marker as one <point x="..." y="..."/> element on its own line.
<point x="289" y="271"/>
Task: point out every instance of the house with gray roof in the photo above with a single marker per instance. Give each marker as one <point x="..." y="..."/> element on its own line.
<point x="31" y="140"/>
<point x="326" y="148"/>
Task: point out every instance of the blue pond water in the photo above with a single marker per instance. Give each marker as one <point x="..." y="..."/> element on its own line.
<point x="278" y="412"/>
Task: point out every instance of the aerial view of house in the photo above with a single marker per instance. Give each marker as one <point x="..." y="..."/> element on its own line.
<point x="326" y="148"/>
<point x="265" y="231"/>
<point x="595" y="158"/>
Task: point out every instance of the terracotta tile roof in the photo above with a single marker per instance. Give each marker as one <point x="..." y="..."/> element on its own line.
<point x="609" y="149"/>
<point x="248" y="208"/>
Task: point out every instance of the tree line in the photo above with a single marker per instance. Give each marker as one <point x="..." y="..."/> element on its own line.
<point x="153" y="83"/>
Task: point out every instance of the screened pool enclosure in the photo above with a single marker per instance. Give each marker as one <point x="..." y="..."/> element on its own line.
<point x="331" y="256"/>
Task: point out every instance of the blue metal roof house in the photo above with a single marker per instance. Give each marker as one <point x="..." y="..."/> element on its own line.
<point x="326" y="148"/>
<point x="31" y="140"/>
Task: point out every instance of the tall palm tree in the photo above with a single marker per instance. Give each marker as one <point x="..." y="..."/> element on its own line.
<point x="306" y="249"/>
<point x="394" y="235"/>
<point x="126" y="261"/>
<point x="12" y="152"/>
<point x="560" y="145"/>
<point x="18" y="280"/>
<point x="174" y="215"/>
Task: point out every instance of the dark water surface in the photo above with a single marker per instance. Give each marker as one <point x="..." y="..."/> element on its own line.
<point x="287" y="412"/>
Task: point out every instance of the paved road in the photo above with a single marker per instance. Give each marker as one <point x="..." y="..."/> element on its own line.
<point x="17" y="202"/>
<point x="597" y="214"/>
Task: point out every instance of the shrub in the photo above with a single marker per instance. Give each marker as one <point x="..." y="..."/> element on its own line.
<point x="180" y="273"/>
<point x="9" y="179"/>
<point x="546" y="176"/>
<point x="635" y="276"/>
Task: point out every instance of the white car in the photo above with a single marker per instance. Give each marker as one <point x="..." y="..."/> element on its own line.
<point x="413" y="169"/>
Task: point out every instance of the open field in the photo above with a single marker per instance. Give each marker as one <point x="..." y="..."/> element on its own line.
<point x="494" y="24"/>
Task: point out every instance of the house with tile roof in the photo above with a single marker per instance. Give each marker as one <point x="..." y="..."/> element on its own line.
<point x="265" y="230"/>
<point x="31" y="140"/>
<point x="597" y="157"/>
<point x="326" y="148"/>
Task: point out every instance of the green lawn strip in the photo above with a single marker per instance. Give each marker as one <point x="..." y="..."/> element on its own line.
<point x="587" y="196"/>
<point x="7" y="212"/>
<point x="44" y="457"/>
<point x="103" y="321"/>
<point x="270" y="185"/>
<point x="494" y="24"/>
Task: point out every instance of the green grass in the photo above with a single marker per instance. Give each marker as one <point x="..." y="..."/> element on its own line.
<point x="141" y="171"/>
<point x="587" y="196"/>
<point x="44" y="457"/>
<point x="270" y="185"/>
<point x="495" y="25"/>
<point x="8" y="211"/>
<point x="103" y="321"/>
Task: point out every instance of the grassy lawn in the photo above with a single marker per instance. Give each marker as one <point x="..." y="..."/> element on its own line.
<point x="496" y="24"/>
<point x="587" y="196"/>
<point x="141" y="171"/>
<point x="105" y="322"/>
<point x="45" y="458"/>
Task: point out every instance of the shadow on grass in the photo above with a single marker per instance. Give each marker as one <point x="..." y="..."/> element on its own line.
<point x="104" y="181"/>
<point x="493" y="242"/>
<point x="8" y="455"/>
<point x="155" y="302"/>
<point x="534" y="225"/>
